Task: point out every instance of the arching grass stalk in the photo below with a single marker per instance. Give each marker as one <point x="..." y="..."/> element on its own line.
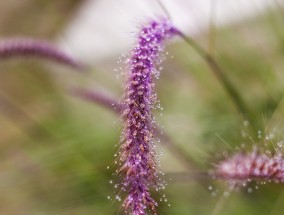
<point x="220" y="75"/>
<point x="216" y="69"/>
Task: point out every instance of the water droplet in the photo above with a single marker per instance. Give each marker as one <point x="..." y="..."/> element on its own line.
<point x="243" y="133"/>
<point x="226" y="193"/>
<point x="250" y="190"/>
<point x="117" y="197"/>
<point x="246" y="123"/>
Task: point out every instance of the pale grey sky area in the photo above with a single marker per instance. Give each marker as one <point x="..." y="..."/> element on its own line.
<point x="104" y="28"/>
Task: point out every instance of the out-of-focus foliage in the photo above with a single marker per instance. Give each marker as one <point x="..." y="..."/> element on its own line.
<point x="55" y="149"/>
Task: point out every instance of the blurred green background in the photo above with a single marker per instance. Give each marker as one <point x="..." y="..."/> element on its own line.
<point x="55" y="148"/>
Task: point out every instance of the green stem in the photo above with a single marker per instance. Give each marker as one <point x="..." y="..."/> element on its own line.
<point x="220" y="75"/>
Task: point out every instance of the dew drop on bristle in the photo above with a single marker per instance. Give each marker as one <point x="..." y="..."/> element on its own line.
<point x="246" y="123"/>
<point x="118" y="198"/>
<point x="226" y="194"/>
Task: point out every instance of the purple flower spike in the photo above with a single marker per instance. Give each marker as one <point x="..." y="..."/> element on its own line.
<point x="252" y="166"/>
<point x="137" y="156"/>
<point x="29" y="47"/>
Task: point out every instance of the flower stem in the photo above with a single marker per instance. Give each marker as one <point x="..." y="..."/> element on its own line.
<point x="220" y="75"/>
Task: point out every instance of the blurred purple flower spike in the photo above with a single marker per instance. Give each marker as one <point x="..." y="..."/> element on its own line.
<point x="21" y="47"/>
<point x="252" y="166"/>
<point x="137" y="156"/>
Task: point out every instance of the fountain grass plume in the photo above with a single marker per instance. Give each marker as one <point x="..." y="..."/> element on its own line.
<point x="255" y="165"/>
<point x="23" y="47"/>
<point x="137" y="155"/>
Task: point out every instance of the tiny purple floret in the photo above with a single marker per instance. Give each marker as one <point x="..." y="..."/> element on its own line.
<point x="137" y="155"/>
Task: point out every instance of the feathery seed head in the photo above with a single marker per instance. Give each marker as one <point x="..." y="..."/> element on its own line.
<point x="137" y="156"/>
<point x="252" y="166"/>
<point x="38" y="48"/>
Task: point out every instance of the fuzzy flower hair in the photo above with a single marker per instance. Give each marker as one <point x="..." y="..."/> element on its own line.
<point x="137" y="156"/>
<point x="252" y="166"/>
